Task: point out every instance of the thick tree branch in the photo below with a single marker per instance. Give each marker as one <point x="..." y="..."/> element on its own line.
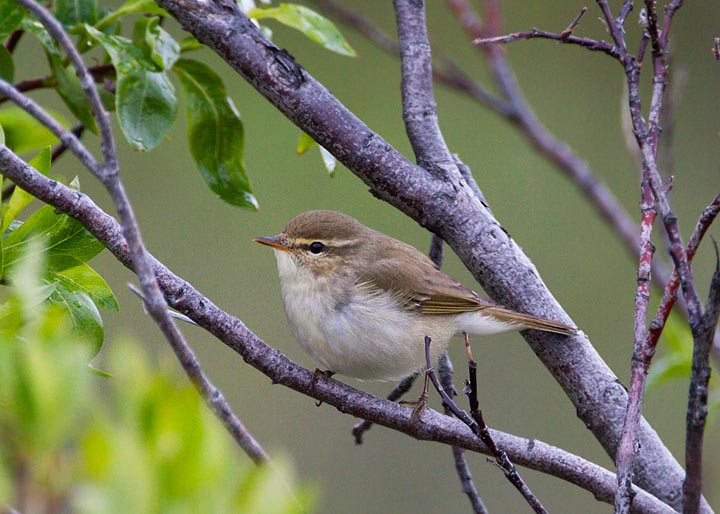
<point x="447" y="207"/>
<point x="231" y="331"/>
<point x="432" y="153"/>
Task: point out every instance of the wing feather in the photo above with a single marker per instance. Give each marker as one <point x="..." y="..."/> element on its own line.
<point x="420" y="286"/>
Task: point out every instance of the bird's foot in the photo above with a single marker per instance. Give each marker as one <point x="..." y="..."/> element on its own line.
<point x="421" y="402"/>
<point x="324" y="372"/>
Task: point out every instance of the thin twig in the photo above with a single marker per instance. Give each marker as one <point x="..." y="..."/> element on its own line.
<point x="65" y="136"/>
<point x="13" y="40"/>
<point x="99" y="73"/>
<point x="670" y="293"/>
<point x="585" y="42"/>
<point x="574" y="23"/>
<point x="647" y="135"/>
<point x="642" y="356"/>
<point x="445" y="370"/>
<point x="561" y="155"/>
<point x="480" y="429"/>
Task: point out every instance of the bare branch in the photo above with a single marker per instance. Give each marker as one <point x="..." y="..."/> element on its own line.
<point x="13" y="40"/>
<point x="65" y="136"/>
<point x="445" y="370"/>
<point x="562" y="37"/>
<point x="628" y="447"/>
<point x="480" y="429"/>
<point x="419" y="107"/>
<point x="697" y="399"/>
<point x="574" y="23"/>
<point x="449" y="74"/>
<point x="670" y="293"/>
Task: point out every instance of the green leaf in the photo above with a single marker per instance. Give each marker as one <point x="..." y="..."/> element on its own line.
<point x="675" y="360"/>
<point x="72" y="12"/>
<point x="75" y="275"/>
<point x="67" y="82"/>
<point x="304" y="144"/>
<point x="84" y="316"/>
<point x="318" y="28"/>
<point x="2" y="136"/>
<point x="144" y="98"/>
<point x="23" y="133"/>
<point x="215" y="133"/>
<point x="7" y="67"/>
<point x="21" y="198"/>
<point x="63" y="236"/>
<point x="11" y="15"/>
<point x="156" y="44"/>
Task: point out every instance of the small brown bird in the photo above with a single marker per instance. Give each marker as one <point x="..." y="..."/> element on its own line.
<point x="361" y="302"/>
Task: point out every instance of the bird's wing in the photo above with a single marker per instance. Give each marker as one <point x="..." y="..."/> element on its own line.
<point x="424" y="287"/>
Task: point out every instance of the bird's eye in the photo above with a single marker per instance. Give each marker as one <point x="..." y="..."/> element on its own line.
<point x="316" y="247"/>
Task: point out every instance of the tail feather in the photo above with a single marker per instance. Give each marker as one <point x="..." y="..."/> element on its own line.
<point x="530" y="321"/>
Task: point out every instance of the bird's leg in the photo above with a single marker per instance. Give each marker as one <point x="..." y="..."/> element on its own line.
<point x="467" y="347"/>
<point x="324" y="372"/>
<point x="421" y="402"/>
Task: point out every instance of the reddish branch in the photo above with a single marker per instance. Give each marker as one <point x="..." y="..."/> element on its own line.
<point x="628" y="446"/>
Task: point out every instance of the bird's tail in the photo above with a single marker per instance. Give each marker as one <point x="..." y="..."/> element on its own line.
<point x="530" y="321"/>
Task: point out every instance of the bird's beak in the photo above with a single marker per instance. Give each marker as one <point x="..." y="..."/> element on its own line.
<point x="273" y="242"/>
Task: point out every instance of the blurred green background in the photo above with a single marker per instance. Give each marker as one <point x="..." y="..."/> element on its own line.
<point x="578" y="96"/>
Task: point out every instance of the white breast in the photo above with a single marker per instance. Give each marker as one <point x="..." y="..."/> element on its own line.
<point x="364" y="336"/>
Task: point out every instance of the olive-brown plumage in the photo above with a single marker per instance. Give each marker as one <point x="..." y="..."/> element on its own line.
<point x="361" y="302"/>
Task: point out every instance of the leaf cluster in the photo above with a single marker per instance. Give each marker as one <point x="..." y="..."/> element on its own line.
<point x="64" y="248"/>
<point x="140" y="441"/>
